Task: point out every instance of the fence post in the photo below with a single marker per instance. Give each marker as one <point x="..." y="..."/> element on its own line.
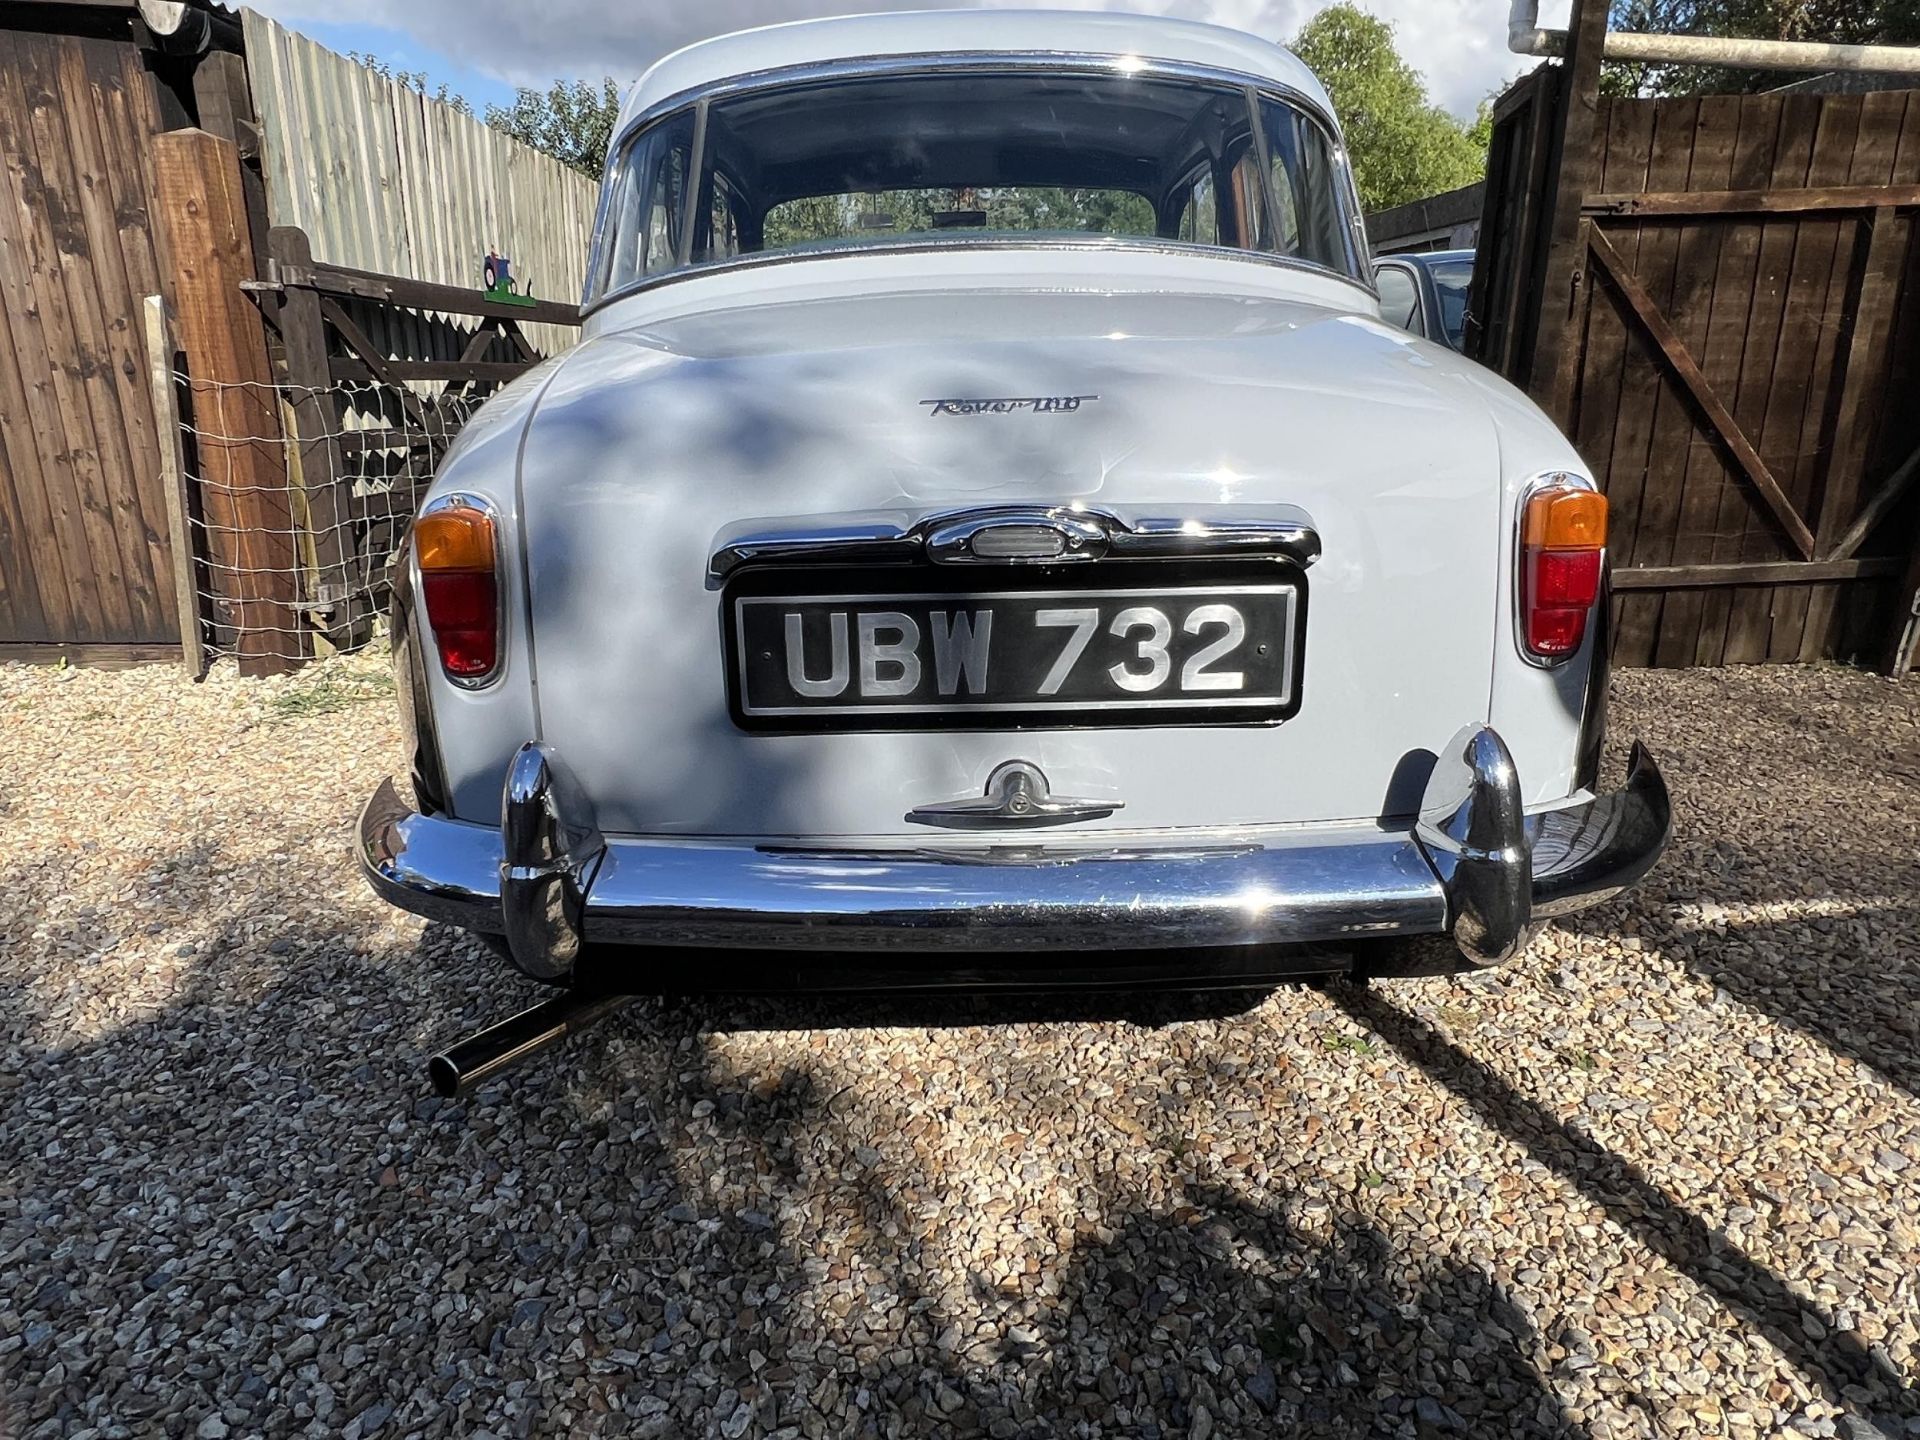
<point x="173" y="480"/>
<point x="243" y="468"/>
<point x="316" y="420"/>
<point x="1553" y="367"/>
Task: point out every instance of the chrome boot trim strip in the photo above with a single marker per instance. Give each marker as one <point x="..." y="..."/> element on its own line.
<point x="1018" y="535"/>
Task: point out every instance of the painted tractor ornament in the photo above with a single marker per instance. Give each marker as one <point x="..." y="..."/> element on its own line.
<point x="501" y="287"/>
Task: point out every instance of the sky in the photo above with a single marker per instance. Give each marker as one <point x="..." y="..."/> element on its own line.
<point x="485" y="48"/>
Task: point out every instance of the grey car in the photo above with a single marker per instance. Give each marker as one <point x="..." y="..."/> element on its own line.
<point x="1427" y="293"/>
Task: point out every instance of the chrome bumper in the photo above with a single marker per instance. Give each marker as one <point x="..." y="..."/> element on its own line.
<point x="1476" y="867"/>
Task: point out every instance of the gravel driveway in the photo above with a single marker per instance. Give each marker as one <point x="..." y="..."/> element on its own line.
<point x="1660" y="1177"/>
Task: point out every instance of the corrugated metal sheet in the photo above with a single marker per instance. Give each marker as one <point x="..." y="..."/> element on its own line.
<point x="383" y="178"/>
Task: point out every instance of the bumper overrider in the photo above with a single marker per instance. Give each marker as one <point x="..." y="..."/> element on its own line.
<point x="1476" y="867"/>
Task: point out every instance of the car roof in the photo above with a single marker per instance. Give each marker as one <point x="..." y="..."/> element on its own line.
<point x="1425" y="257"/>
<point x="933" y="33"/>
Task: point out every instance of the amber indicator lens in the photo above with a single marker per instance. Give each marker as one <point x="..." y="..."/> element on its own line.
<point x="455" y="539"/>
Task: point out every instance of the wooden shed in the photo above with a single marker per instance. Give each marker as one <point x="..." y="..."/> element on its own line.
<point x="86" y="555"/>
<point x="312" y="229"/>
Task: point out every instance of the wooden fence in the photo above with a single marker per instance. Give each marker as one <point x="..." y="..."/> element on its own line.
<point x="85" y="554"/>
<point x="382" y="178"/>
<point x="303" y="444"/>
<point x="124" y="538"/>
<point x="1719" y="300"/>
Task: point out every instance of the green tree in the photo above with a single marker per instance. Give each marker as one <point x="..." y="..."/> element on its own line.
<point x="572" y="121"/>
<point x="1848" y="22"/>
<point x="414" y="80"/>
<point x="1404" y="147"/>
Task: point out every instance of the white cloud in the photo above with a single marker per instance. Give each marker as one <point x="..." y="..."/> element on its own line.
<point x="1459" y="45"/>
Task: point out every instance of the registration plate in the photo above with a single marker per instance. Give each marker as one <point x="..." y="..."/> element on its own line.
<point x="1018" y="657"/>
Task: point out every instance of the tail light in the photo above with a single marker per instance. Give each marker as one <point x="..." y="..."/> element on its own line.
<point x="454" y="545"/>
<point x="1563" y="546"/>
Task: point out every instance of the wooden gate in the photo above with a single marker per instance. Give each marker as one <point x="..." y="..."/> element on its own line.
<point x="1719" y="301"/>
<point x="85" y="551"/>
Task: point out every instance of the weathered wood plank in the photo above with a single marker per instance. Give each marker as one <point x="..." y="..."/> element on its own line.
<point x="61" y="590"/>
<point x="1862" y="372"/>
<point x="1742" y="280"/>
<point x="420" y="294"/>
<point x="1501" y="302"/>
<point x="1771" y="341"/>
<point x="78" y="491"/>
<point x="126" y="104"/>
<point x="1668" y="424"/>
<point x="1826" y="255"/>
<point x="1707" y="320"/>
<point x="1680" y="204"/>
<point x="396" y="372"/>
<point x="236" y="411"/>
<point x="1616" y="416"/>
<point x="1557" y="293"/>
<point x="1764" y="572"/>
<point x="93" y="656"/>
<point x="1871" y="613"/>
<point x="1619" y="144"/>
<point x="160" y="374"/>
<point x="113" y="354"/>
<point x="20" y="614"/>
<point x="316" y="419"/>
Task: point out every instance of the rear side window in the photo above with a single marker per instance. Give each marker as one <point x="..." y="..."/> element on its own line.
<point x="648" y="216"/>
<point x="1200" y="217"/>
<point x="1307" y="189"/>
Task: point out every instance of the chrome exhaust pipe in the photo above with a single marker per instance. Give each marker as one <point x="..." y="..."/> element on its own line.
<point x="460" y="1068"/>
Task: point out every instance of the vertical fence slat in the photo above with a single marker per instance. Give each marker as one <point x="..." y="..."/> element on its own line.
<point x="173" y="477"/>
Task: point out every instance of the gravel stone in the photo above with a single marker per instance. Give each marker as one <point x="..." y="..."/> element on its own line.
<point x="1652" y="1179"/>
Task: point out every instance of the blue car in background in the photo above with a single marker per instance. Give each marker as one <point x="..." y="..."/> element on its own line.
<point x="1427" y="293"/>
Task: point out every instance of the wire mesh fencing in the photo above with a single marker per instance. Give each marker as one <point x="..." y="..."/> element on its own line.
<point x="297" y="500"/>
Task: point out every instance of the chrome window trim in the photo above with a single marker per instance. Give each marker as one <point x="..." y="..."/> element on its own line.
<point x="1057" y="62"/>
<point x="1519" y="597"/>
<point x="462" y="499"/>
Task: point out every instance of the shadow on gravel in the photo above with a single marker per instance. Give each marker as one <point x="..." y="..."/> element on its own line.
<point x="1345" y="1333"/>
<point x="259" y="1220"/>
<point x="1761" y="1298"/>
<point x="1839" y="974"/>
<point x="1218" y="1316"/>
<point x="242" y="1206"/>
<point x="1790" y="882"/>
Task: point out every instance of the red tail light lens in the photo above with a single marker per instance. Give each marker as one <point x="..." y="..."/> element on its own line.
<point x="456" y="550"/>
<point x="1564" y="541"/>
